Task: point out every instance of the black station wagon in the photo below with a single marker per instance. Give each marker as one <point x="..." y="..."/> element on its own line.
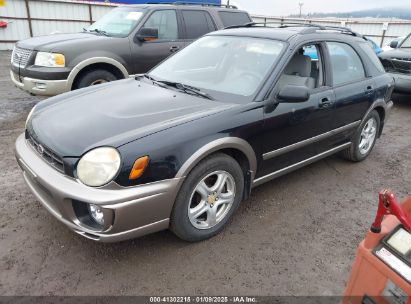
<point x="181" y="146"/>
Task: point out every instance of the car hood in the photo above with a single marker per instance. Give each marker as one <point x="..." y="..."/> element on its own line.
<point x="396" y="53"/>
<point x="113" y="114"/>
<point x="57" y="41"/>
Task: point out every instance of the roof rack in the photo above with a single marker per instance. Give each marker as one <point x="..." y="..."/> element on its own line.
<point x="196" y="3"/>
<point x="279" y="23"/>
<point x="341" y="29"/>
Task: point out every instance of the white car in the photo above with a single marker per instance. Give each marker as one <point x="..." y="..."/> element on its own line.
<point x="387" y="47"/>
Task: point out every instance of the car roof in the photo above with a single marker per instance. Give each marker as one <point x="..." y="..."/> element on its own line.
<point x="286" y="33"/>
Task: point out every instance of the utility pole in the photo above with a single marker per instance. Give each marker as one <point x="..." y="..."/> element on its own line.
<point x="301" y="7"/>
<point x="228" y="2"/>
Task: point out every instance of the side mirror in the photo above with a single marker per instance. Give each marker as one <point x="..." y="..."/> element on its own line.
<point x="147" y="34"/>
<point x="292" y="93"/>
<point x="394" y="44"/>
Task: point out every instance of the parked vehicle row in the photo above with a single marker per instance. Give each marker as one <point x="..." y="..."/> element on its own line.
<point x="128" y="40"/>
<point x="182" y="145"/>
<point x="397" y="62"/>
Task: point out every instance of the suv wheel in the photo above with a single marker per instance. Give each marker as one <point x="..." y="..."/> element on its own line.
<point x="364" y="139"/>
<point x="95" y="77"/>
<point x="208" y="198"/>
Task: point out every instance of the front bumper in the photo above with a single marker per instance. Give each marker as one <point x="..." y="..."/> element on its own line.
<point x="40" y="86"/>
<point x="402" y="82"/>
<point x="137" y="211"/>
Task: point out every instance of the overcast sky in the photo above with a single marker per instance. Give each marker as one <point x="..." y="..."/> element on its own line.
<point x="286" y="7"/>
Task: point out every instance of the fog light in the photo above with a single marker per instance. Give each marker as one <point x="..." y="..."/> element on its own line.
<point x="96" y="213"/>
<point x="41" y="86"/>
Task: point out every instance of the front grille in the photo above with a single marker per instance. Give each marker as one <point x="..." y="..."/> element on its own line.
<point x="20" y="56"/>
<point x="49" y="156"/>
<point x="402" y="65"/>
<point x="397" y="65"/>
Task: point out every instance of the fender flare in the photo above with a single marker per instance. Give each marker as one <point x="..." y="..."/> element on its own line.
<point x="378" y="104"/>
<point x="81" y="65"/>
<point x="216" y="145"/>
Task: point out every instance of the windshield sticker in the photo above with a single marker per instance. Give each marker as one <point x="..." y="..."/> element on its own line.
<point x="134" y="15"/>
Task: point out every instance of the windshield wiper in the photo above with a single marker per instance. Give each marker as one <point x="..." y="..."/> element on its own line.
<point x="155" y="81"/>
<point x="101" y="32"/>
<point x="186" y="88"/>
<point x="179" y="86"/>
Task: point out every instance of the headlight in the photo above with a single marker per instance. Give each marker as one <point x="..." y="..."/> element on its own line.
<point x="50" y="60"/>
<point x="30" y="114"/>
<point x="99" y="166"/>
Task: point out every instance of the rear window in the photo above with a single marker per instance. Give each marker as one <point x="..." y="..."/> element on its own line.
<point x="234" y="18"/>
<point x="198" y="23"/>
<point x="373" y="57"/>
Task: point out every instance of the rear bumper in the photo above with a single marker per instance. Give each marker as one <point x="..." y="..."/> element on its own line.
<point x="135" y="211"/>
<point x="40" y="86"/>
<point x="402" y="82"/>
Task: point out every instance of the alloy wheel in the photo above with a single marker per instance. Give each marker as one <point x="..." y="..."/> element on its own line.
<point x="368" y="135"/>
<point x="211" y="200"/>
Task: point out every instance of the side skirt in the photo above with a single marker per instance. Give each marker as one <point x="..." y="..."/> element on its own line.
<point x="298" y="165"/>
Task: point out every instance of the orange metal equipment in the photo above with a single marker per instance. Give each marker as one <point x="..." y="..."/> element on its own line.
<point x="381" y="272"/>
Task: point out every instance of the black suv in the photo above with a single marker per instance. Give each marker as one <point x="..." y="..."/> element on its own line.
<point x="397" y="62"/>
<point x="128" y="40"/>
<point x="183" y="145"/>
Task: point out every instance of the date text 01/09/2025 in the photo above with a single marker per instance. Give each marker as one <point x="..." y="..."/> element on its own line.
<point x="203" y="299"/>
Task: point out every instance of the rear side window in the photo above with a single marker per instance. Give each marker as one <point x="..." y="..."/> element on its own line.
<point x="198" y="23"/>
<point x="234" y="18"/>
<point x="345" y="63"/>
<point x="373" y="57"/>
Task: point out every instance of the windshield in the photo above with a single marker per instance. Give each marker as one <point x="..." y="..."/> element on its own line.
<point x="406" y="43"/>
<point x="119" y="22"/>
<point x="228" y="64"/>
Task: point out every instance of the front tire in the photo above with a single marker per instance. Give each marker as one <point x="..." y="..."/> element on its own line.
<point x="208" y="198"/>
<point x="95" y="77"/>
<point x="364" y="139"/>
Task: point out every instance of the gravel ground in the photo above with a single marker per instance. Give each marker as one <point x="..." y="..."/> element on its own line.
<point x="296" y="235"/>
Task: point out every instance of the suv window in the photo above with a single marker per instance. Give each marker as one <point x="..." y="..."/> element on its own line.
<point x="166" y="23"/>
<point x="197" y="23"/>
<point x="345" y="62"/>
<point x="234" y="18"/>
<point x="371" y="54"/>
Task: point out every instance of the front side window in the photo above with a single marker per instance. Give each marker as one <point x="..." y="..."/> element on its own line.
<point x="227" y="64"/>
<point x="345" y="63"/>
<point x="304" y="69"/>
<point x="119" y="22"/>
<point x="166" y="23"/>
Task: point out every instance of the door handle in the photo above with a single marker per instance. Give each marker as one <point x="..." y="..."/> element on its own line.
<point x="325" y="102"/>
<point x="174" y="49"/>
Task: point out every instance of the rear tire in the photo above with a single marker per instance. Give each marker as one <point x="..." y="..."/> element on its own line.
<point x="208" y="198"/>
<point x="95" y="77"/>
<point x="364" y="139"/>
